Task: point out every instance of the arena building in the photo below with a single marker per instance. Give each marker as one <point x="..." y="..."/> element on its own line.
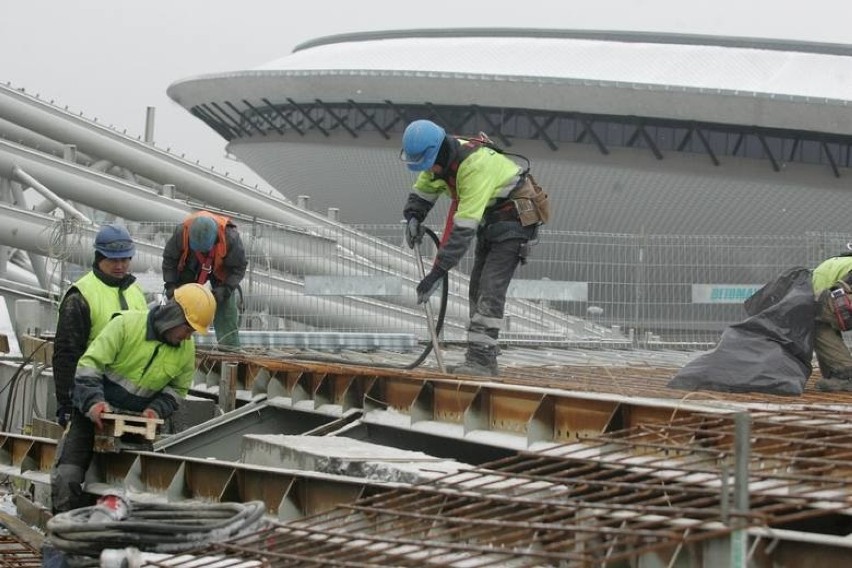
<point x="633" y="133"/>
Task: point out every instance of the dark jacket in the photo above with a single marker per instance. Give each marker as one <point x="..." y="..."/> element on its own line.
<point x="234" y="263"/>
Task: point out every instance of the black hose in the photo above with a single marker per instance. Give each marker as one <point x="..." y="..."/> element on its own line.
<point x="154" y="527"/>
<point x="442" y="311"/>
<point x="439" y="325"/>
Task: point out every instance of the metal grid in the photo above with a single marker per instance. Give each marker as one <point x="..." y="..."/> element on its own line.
<point x="14" y="553"/>
<point x="652" y="488"/>
<point x="639" y="290"/>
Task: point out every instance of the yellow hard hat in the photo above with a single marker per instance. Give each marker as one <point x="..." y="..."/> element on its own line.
<point x="198" y="305"/>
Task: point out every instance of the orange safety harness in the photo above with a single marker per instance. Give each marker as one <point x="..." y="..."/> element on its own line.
<point x="210" y="262"/>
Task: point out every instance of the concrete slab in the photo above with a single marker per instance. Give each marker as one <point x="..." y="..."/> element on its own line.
<point x="345" y="456"/>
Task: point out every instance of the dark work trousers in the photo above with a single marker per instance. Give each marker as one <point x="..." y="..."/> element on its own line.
<point x="226" y="322"/>
<point x="499" y="249"/>
<point x="833" y="356"/>
<point x="73" y="456"/>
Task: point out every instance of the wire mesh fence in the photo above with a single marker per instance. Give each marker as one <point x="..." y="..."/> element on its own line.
<point x="575" y="286"/>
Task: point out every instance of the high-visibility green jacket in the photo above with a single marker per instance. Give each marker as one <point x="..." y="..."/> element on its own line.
<point x="130" y="368"/>
<point x="477" y="181"/>
<point x="481" y="179"/>
<point x="105" y="300"/>
<point x="830" y="271"/>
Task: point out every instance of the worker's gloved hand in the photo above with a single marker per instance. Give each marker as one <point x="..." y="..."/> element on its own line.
<point x="63" y="415"/>
<point x="429" y="284"/>
<point x="221" y="293"/>
<point x="150" y="413"/>
<point x="414" y="232"/>
<point x="96" y="412"/>
<point x="170" y="290"/>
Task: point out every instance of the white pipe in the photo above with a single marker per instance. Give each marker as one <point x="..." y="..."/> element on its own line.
<point x="30" y="231"/>
<point x="210" y="188"/>
<point x="26" y="178"/>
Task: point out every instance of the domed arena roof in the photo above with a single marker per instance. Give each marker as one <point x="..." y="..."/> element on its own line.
<point x="777" y="84"/>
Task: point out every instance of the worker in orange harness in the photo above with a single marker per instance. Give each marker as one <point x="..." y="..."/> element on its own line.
<point x="207" y="248"/>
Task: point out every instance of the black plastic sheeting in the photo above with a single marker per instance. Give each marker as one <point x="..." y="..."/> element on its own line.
<point x="769" y="352"/>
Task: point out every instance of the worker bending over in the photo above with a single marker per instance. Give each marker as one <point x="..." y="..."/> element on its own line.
<point x="831" y="280"/>
<point x="142" y="362"/>
<point x="492" y="200"/>
<point x="207" y="248"/>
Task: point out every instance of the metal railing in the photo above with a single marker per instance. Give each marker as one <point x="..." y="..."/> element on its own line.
<point x="642" y="289"/>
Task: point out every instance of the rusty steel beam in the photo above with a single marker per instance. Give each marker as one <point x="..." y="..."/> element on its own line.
<point x="533" y="410"/>
<point x="287" y="494"/>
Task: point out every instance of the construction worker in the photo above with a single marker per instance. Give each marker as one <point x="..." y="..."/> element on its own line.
<point x="207" y="248"/>
<point x="89" y="304"/>
<point x="831" y="282"/>
<point x="142" y="362"/>
<point x="482" y="183"/>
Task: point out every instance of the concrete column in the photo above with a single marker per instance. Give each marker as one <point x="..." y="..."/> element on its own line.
<point x="149" y="125"/>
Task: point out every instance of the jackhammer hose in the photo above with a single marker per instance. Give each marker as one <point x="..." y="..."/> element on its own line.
<point x="439" y="324"/>
<point x="442" y="311"/>
<point x="154" y="527"/>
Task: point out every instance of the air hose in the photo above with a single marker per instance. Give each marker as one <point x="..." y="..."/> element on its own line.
<point x="442" y="311"/>
<point x="439" y="324"/>
<point x="154" y="527"/>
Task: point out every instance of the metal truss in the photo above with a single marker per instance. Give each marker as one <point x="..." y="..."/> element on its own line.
<point x="246" y="119"/>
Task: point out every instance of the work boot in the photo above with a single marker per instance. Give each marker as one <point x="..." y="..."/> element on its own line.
<point x="479" y="362"/>
<point x="66" y="488"/>
<point x="834" y="385"/>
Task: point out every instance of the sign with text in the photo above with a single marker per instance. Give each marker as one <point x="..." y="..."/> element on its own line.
<point x="722" y="293"/>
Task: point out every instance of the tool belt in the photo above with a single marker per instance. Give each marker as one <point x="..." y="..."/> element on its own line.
<point x="841" y="305"/>
<point x="502" y="211"/>
<point x="531" y="202"/>
<point x="527" y="204"/>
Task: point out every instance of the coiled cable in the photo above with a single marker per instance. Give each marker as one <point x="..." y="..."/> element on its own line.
<point x="154" y="527"/>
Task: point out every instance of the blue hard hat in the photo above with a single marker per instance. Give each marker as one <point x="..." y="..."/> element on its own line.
<point x="202" y="234"/>
<point x="421" y="142"/>
<point x="113" y="241"/>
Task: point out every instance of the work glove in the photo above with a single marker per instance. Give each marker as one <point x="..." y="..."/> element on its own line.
<point x="429" y="284"/>
<point x="63" y="415"/>
<point x="170" y="290"/>
<point x="150" y="413"/>
<point x="414" y="232"/>
<point x="96" y="412"/>
<point x="221" y="293"/>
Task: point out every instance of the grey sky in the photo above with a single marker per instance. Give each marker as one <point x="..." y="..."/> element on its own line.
<point x="113" y="58"/>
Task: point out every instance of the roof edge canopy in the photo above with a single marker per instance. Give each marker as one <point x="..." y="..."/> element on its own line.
<point x="600" y="35"/>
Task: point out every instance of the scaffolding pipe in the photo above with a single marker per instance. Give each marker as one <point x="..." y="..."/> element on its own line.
<point x="38" y="233"/>
<point x="742" y="451"/>
<point x="30" y="181"/>
<point x="206" y="186"/>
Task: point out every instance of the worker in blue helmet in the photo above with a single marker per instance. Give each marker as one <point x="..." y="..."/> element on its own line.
<point x="88" y="305"/>
<point x="484" y="185"/>
<point x="206" y="248"/>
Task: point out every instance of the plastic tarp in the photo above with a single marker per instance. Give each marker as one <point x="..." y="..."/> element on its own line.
<point x="770" y="352"/>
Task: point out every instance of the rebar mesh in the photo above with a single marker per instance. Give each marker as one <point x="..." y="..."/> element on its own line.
<point x="607" y="499"/>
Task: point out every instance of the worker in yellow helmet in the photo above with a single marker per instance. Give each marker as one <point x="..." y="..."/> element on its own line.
<point x="142" y="362"/>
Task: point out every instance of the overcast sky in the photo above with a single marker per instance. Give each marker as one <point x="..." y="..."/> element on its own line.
<point x="112" y="59"/>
